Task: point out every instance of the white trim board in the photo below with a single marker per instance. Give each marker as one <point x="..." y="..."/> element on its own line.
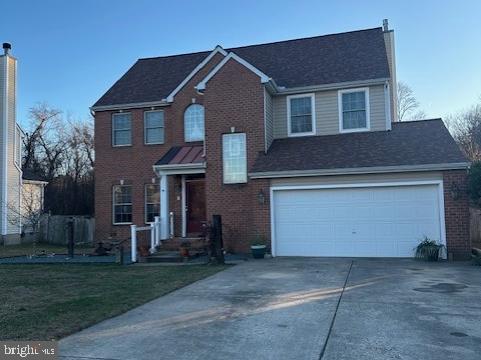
<point x="202" y="85"/>
<point x="363" y="170"/>
<point x="217" y="50"/>
<point x="438" y="183"/>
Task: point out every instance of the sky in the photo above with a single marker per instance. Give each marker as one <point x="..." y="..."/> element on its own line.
<point x="70" y="52"/>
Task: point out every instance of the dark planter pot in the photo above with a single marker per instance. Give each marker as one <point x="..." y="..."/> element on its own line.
<point x="433" y="255"/>
<point x="258" y="251"/>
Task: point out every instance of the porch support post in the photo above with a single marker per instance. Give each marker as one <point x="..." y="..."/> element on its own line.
<point x="164" y="207"/>
<point x="184" y="209"/>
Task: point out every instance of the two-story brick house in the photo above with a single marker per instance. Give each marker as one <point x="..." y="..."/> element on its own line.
<point x="295" y="140"/>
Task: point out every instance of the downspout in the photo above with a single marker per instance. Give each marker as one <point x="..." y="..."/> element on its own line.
<point x="387" y="105"/>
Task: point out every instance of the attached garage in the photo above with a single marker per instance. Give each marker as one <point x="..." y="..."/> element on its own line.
<point x="356" y="220"/>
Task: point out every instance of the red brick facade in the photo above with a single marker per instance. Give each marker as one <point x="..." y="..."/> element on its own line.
<point x="456" y="211"/>
<point x="133" y="164"/>
<point x="234" y="101"/>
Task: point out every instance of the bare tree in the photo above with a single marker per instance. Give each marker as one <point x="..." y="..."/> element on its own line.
<point x="45" y="143"/>
<point x="407" y="104"/>
<point x="61" y="151"/>
<point x="466" y="130"/>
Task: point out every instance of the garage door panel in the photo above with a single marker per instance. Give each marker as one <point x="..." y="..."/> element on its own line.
<point x="376" y="221"/>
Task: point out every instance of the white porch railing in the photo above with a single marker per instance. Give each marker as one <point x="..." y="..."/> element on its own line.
<point x="155" y="235"/>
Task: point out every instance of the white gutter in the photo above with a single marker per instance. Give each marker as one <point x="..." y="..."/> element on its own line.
<point x="362" y="170"/>
<point x="163" y="102"/>
<point x="333" y="86"/>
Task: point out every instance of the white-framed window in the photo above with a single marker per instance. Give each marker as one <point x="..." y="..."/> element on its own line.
<point x="154" y="127"/>
<point x="121" y="129"/>
<point x="18" y="147"/>
<point x="194" y="123"/>
<point x="301" y="115"/>
<point x="354" y="110"/>
<point x="122" y="204"/>
<point x="152" y="202"/>
<point x="234" y="156"/>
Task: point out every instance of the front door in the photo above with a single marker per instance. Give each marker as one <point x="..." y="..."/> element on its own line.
<point x="195" y="200"/>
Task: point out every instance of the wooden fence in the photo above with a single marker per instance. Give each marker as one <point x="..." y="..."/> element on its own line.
<point x="53" y="229"/>
<point x="475" y="227"/>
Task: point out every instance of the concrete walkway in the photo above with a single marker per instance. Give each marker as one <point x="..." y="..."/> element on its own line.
<point x="293" y="308"/>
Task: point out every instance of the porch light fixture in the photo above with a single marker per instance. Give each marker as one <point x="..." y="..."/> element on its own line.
<point x="153" y="180"/>
<point x="121" y="181"/>
<point x="232" y="129"/>
<point x="455" y="191"/>
<point x="261" y="197"/>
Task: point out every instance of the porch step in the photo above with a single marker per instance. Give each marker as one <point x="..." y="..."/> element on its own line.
<point x="164" y="256"/>
<point x="196" y="243"/>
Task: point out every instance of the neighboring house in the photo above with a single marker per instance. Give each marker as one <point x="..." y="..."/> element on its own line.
<point x="32" y="204"/>
<point x="296" y="141"/>
<point x="12" y="200"/>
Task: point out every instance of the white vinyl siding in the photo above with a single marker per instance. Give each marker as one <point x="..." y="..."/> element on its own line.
<point x="154" y="127"/>
<point x="194" y="123"/>
<point x="327" y="112"/>
<point x="10" y="174"/>
<point x="234" y="158"/>
<point x="18" y="147"/>
<point x="122" y="129"/>
<point x="269" y="119"/>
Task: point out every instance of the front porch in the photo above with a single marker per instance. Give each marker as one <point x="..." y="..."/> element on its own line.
<point x="184" y="215"/>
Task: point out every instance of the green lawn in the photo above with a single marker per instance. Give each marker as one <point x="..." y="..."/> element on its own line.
<point x="41" y="302"/>
<point x="36" y="249"/>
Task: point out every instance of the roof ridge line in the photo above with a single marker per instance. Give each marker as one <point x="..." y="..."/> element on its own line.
<point x="266" y="43"/>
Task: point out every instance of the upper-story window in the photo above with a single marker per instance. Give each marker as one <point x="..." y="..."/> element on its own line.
<point x="301" y="115"/>
<point x="121" y="129"/>
<point x="154" y="127"/>
<point x="354" y="110"/>
<point x="194" y="123"/>
<point x="234" y="158"/>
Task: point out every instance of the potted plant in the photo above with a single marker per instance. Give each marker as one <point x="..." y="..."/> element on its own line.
<point x="428" y="249"/>
<point x="184" y="249"/>
<point x="258" y="246"/>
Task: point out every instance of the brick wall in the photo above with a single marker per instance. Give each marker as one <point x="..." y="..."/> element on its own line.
<point x="235" y="98"/>
<point x="456" y="210"/>
<point x="134" y="163"/>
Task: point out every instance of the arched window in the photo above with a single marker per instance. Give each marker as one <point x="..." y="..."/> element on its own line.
<point x="194" y="123"/>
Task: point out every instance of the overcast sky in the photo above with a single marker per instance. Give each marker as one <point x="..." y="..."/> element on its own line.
<point x="71" y="52"/>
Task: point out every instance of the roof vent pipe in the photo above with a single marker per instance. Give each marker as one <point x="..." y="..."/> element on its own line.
<point x="6" y="47"/>
<point x="385" y="25"/>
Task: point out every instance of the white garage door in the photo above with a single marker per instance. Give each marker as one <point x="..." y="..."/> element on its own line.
<point x="370" y="221"/>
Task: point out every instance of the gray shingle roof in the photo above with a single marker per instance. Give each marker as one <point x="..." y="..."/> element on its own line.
<point x="408" y="143"/>
<point x="350" y="56"/>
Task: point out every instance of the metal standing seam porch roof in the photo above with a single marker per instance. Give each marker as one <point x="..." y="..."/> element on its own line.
<point x="182" y="156"/>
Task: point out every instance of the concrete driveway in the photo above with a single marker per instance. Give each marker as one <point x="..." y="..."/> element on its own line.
<point x="302" y="308"/>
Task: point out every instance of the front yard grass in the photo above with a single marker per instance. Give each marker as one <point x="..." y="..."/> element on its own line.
<point x="38" y="248"/>
<point x="43" y="302"/>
